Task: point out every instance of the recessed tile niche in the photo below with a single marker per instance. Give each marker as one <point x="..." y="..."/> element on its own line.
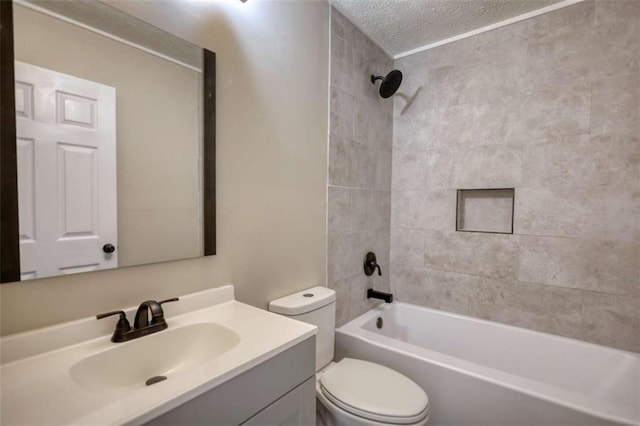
<point x="485" y="210"/>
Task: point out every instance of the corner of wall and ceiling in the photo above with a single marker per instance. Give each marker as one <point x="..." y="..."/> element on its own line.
<point x="493" y="26"/>
<point x="375" y="41"/>
<point x="503" y="23"/>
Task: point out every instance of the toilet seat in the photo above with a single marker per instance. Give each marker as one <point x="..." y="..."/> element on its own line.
<point x="374" y="392"/>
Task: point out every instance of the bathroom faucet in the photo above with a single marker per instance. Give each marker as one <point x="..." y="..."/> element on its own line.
<point x="373" y="294"/>
<point x="157" y="314"/>
<point x="141" y="325"/>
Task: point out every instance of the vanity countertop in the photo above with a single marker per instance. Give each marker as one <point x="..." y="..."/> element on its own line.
<point x="37" y="387"/>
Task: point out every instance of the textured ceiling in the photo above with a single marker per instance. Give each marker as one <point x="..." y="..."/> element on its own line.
<point x="402" y="25"/>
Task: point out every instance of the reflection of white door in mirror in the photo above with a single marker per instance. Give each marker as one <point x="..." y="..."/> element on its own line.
<point x="66" y="131"/>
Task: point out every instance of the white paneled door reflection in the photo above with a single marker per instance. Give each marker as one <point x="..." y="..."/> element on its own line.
<point x="67" y="194"/>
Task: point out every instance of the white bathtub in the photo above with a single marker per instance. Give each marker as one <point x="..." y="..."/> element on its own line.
<point x="483" y="373"/>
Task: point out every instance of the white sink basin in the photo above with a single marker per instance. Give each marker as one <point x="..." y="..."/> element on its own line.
<point x="127" y="366"/>
<point x="71" y="374"/>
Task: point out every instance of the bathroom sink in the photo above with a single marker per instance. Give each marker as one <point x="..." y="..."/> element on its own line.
<point x="73" y="374"/>
<point x="154" y="358"/>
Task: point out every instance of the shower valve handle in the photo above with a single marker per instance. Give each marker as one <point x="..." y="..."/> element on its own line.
<point x="371" y="264"/>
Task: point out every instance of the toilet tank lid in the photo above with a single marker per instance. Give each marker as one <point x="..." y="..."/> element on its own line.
<point x="303" y="301"/>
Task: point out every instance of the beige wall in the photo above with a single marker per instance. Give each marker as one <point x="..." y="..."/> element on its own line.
<point x="157" y="132"/>
<point x="548" y="106"/>
<point x="272" y="97"/>
<point x="359" y="168"/>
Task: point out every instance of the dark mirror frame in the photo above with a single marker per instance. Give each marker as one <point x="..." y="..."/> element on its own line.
<point x="9" y="232"/>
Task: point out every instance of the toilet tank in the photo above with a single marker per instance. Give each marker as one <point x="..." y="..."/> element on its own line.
<point x="315" y="306"/>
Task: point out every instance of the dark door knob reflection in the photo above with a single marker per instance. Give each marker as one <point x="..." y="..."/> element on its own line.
<point x="108" y="248"/>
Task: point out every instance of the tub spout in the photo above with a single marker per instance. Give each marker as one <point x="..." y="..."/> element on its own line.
<point x="373" y="294"/>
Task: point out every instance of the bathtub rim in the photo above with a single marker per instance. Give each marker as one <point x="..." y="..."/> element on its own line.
<point x="605" y="410"/>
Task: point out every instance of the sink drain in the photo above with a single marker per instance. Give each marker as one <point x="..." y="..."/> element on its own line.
<point x="154" y="380"/>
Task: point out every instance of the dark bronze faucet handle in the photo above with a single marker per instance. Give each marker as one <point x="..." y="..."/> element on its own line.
<point x="371" y="264"/>
<point x="375" y="265"/>
<point x="122" y="325"/>
<point x="158" y="315"/>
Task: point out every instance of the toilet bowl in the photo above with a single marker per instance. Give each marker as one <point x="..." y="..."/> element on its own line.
<point x="352" y="391"/>
<point x="356" y="392"/>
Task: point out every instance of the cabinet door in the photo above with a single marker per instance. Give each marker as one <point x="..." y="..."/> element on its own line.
<point x="297" y="408"/>
<point x="240" y="399"/>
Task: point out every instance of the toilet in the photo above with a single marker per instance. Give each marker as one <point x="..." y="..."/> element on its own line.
<point x="352" y="391"/>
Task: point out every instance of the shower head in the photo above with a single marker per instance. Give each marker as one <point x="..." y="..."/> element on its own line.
<point x="389" y="84"/>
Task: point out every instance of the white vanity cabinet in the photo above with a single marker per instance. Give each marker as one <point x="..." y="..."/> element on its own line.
<point x="225" y="363"/>
<point x="298" y="407"/>
<point x="279" y="391"/>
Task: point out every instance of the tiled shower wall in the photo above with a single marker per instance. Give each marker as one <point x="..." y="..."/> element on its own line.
<point x="551" y="107"/>
<point x="359" y="168"/>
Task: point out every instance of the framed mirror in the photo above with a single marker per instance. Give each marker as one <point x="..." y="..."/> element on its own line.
<point x="107" y="149"/>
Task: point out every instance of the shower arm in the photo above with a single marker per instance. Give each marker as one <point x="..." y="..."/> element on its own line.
<point x="374" y="78"/>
